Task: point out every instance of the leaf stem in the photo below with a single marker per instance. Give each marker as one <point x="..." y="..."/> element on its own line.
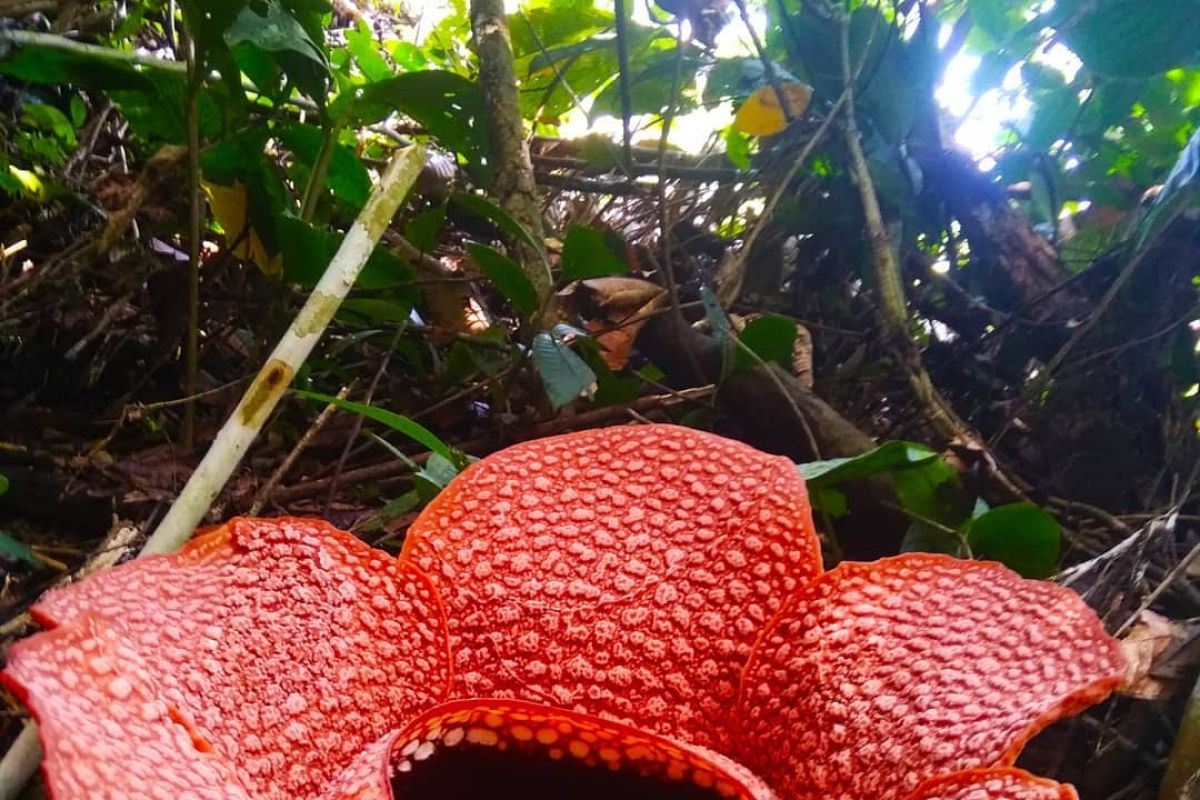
<point x="195" y="224"/>
<point x="320" y="171"/>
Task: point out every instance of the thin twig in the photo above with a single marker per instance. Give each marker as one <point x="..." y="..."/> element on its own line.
<point x="268" y="488"/>
<point x="623" y="79"/>
<point x="195" y="222"/>
<point x="358" y="419"/>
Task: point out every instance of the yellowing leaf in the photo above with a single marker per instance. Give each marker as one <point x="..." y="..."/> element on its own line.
<point x="228" y="204"/>
<point x="762" y="115"/>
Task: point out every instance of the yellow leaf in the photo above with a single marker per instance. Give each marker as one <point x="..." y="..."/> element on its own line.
<point x="228" y="204"/>
<point x="762" y="115"/>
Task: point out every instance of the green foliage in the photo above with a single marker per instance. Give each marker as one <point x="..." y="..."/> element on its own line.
<point x="564" y="374"/>
<point x="507" y="276"/>
<point x="491" y="211"/>
<point x="424" y="229"/>
<point x="397" y="422"/>
<point x="591" y="253"/>
<point x="1131" y="39"/>
<point x="767" y="338"/>
<point x="1022" y="536"/>
<point x="885" y="458"/>
<point x="307" y="250"/>
<point x="448" y="106"/>
<point x="946" y="519"/>
<point x="347" y="176"/>
<point x="17" y="550"/>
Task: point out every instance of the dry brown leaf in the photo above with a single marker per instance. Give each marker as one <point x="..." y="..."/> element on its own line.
<point x="1158" y="651"/>
<point x="613" y="310"/>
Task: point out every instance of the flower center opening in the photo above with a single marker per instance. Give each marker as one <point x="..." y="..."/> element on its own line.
<point x="475" y="771"/>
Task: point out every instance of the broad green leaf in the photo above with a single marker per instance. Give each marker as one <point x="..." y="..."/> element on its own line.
<point x="3" y="484"/>
<point x="362" y="45"/>
<point x="1022" y="536"/>
<point x="888" y="456"/>
<point x="565" y="375"/>
<point x="447" y="105"/>
<point x="770" y="338"/>
<point x="229" y="161"/>
<point x="650" y="89"/>
<point x="91" y="67"/>
<point x="933" y="490"/>
<point x="1131" y="38"/>
<point x="507" y="276"/>
<point x="347" y="176"/>
<point x="591" y="253"/>
<point x="307" y="251"/>
<point x="999" y="19"/>
<point x="274" y="31"/>
<point x="397" y="422"/>
<point x="548" y="25"/>
<point x="829" y="500"/>
<point x="424" y="230"/>
<point x="488" y="209"/>
<point x="737" y="148"/>
<point x="377" y="310"/>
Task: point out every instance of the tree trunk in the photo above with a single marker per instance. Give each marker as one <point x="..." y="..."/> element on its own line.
<point x="514" y="184"/>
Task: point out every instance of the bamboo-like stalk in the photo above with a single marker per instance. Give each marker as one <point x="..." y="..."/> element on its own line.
<point x="235" y="436"/>
<point x="272" y="380"/>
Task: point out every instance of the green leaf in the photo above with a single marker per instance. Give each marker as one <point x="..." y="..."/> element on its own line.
<point x="376" y="309"/>
<point x="78" y="111"/>
<point x="591" y="253"/>
<point x="888" y="456"/>
<point x="89" y="68"/>
<point x="347" y="176"/>
<point x="397" y="422"/>
<point x="275" y="31"/>
<point x="447" y="105"/>
<point x="737" y="148"/>
<point x="922" y="538"/>
<point x="1131" y="38"/>
<point x="507" y="276"/>
<point x="565" y="375"/>
<point x="829" y="500"/>
<point x="307" y="251"/>
<point x="999" y="19"/>
<point x="435" y="476"/>
<point x="650" y="87"/>
<point x="1022" y="536"/>
<point x="770" y="338"/>
<point x="229" y="161"/>
<point x="364" y="48"/>
<point x="3" y="484"/>
<point x="424" y="230"/>
<point x="491" y="211"/>
<point x="934" y="491"/>
<point x="14" y="549"/>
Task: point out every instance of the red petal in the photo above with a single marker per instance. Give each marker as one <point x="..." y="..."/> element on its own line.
<point x="538" y="732"/>
<point x="878" y="676"/>
<point x="107" y="732"/>
<point x="287" y="644"/>
<point x="624" y="572"/>
<point x="1003" y="783"/>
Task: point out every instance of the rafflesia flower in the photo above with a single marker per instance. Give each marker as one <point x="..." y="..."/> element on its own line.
<point x="633" y="612"/>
